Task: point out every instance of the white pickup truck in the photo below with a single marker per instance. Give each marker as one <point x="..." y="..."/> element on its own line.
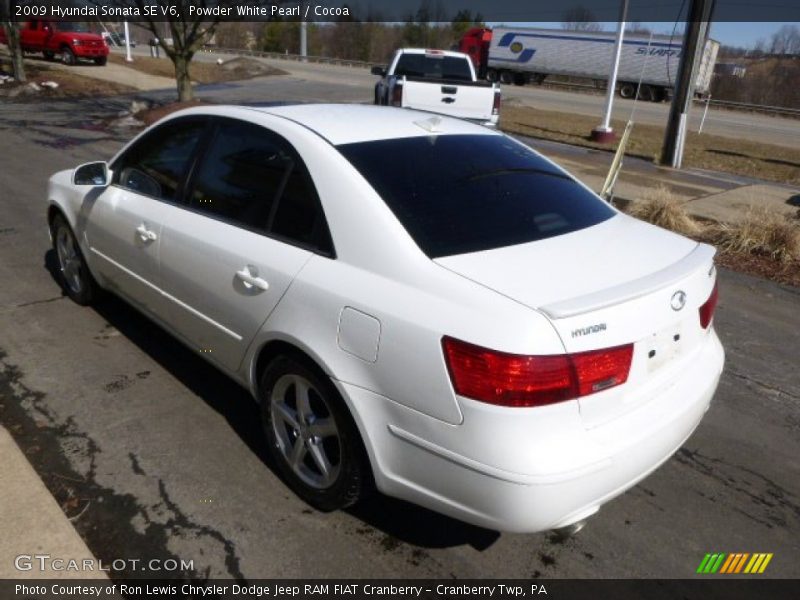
<point x="437" y="81"/>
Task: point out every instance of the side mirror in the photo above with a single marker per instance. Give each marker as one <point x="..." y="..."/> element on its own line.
<point x="94" y="174"/>
<point x="379" y="71"/>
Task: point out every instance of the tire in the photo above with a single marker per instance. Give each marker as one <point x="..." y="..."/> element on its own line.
<point x="491" y="75"/>
<point x="310" y="435"/>
<point x="73" y="273"/>
<point x="101" y="61"/>
<point x="627" y="90"/>
<point x="49" y="55"/>
<point x="68" y="56"/>
<point x="519" y="79"/>
<point x="646" y="93"/>
<point x="506" y="77"/>
<point x="377" y="97"/>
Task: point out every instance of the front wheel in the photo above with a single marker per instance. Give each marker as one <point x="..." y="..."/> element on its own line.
<point x="73" y="272"/>
<point x="100" y="61"/>
<point x="310" y="435"/>
<point x="49" y="55"/>
<point x="68" y="56"/>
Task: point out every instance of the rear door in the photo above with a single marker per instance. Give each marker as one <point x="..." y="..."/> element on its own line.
<point x="254" y="220"/>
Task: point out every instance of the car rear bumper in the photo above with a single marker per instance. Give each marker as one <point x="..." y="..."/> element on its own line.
<point x="528" y="470"/>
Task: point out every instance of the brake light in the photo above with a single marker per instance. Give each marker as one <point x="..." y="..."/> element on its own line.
<point x="520" y="380"/>
<point x="397" y="94"/>
<point x="707" y="310"/>
<point x="496" y="105"/>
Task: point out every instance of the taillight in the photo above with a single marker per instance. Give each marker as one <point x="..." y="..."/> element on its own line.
<point x="520" y="380"/>
<point x="397" y="94"/>
<point x="707" y="310"/>
<point x="496" y="105"/>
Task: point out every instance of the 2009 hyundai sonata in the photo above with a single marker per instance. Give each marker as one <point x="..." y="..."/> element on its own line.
<point x="415" y="301"/>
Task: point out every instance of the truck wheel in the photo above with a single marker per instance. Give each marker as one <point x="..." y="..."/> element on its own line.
<point x="67" y="56"/>
<point x="491" y="75"/>
<point x="49" y="54"/>
<point x="627" y="90"/>
<point x="506" y="77"/>
<point x="519" y="79"/>
<point x="100" y="61"/>
<point x="646" y="93"/>
<point x="658" y="94"/>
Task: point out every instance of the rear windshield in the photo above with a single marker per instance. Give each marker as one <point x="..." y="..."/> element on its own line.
<point x="456" y="194"/>
<point x="431" y="66"/>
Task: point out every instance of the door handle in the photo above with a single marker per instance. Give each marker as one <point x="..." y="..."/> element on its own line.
<point x="250" y="280"/>
<point x="145" y="234"/>
<point x="448" y="100"/>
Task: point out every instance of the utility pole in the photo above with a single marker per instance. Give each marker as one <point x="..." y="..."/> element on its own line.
<point x="604" y="133"/>
<point x="694" y="42"/>
<point x="128" y="57"/>
<point x="303" y="39"/>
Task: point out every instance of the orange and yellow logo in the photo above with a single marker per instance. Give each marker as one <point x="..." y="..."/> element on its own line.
<point x="737" y="562"/>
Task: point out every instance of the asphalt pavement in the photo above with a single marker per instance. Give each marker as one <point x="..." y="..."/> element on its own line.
<point x="153" y="454"/>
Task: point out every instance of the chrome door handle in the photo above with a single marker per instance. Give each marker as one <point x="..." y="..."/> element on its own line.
<point x="251" y="280"/>
<point x="145" y="234"/>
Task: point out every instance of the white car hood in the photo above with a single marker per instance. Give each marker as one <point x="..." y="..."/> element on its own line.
<point x="612" y="254"/>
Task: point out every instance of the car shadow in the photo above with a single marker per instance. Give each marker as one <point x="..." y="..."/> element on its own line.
<point x="399" y="520"/>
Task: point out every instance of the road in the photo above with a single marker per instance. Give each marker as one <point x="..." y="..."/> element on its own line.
<point x="155" y="455"/>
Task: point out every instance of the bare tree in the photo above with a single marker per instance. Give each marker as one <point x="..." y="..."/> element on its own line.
<point x="11" y="29"/>
<point x="786" y="40"/>
<point x="580" y="18"/>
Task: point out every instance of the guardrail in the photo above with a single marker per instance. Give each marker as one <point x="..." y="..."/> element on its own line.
<point x="740" y="106"/>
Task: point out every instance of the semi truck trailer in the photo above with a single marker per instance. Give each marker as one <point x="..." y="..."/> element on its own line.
<point x="525" y="55"/>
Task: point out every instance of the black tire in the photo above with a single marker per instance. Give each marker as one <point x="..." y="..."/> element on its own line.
<point x="306" y="432"/>
<point x="627" y="90"/>
<point x="49" y="55"/>
<point x="491" y="75"/>
<point x="520" y="79"/>
<point x="377" y="97"/>
<point x="506" y="77"/>
<point x="68" y="56"/>
<point x="101" y="61"/>
<point x="646" y="93"/>
<point x="73" y="273"/>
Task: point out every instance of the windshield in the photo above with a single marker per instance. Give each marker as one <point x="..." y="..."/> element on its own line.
<point x="73" y="27"/>
<point x="466" y="193"/>
<point x="433" y="66"/>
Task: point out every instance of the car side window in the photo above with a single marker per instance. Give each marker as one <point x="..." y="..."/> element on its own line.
<point x="156" y="165"/>
<point x="242" y="173"/>
<point x="254" y="178"/>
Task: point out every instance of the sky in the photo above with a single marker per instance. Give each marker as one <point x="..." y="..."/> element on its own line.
<point x="744" y="35"/>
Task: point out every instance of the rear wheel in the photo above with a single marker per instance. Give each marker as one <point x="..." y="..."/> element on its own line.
<point x="68" y="56"/>
<point x="506" y="77"/>
<point x="310" y="434"/>
<point x="627" y="90"/>
<point x="491" y="75"/>
<point x="646" y="93"/>
<point x="519" y="79"/>
<point x="73" y="273"/>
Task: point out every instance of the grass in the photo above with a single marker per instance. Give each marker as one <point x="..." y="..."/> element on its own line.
<point x="760" y="233"/>
<point x="730" y="155"/>
<point x="70" y="85"/>
<point x="663" y="208"/>
<point x="201" y="72"/>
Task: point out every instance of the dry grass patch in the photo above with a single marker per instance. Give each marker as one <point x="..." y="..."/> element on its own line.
<point x="201" y="72"/>
<point x="760" y="233"/>
<point x="739" y="156"/>
<point x="663" y="208"/>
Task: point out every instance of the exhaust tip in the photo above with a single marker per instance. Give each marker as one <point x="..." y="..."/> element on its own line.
<point x="564" y="533"/>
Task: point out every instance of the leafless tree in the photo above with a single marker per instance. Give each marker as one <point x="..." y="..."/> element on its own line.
<point x="580" y="18"/>
<point x="786" y="40"/>
<point x="11" y="29"/>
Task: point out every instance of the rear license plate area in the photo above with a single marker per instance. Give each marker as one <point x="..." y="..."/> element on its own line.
<point x="663" y="346"/>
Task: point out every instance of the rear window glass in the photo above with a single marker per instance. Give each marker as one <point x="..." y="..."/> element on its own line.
<point x="456" y="194"/>
<point x="433" y="67"/>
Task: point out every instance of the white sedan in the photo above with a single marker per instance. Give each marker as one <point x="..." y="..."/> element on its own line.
<point x="418" y="303"/>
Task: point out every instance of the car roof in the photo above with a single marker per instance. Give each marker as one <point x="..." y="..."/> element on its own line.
<point x="351" y="123"/>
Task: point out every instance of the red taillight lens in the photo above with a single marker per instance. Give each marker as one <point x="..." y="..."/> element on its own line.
<point x="496" y="105"/>
<point x="707" y="310"/>
<point x="520" y="380"/>
<point x="397" y="94"/>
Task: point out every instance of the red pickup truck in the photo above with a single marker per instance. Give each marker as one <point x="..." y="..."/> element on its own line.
<point x="69" y="41"/>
